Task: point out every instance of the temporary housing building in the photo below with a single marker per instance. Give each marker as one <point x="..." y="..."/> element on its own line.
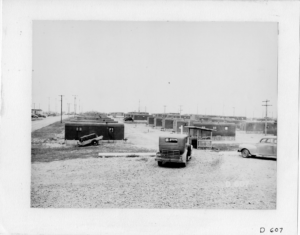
<point x="168" y="123"/>
<point x="258" y="127"/>
<point x="109" y="131"/>
<point x="180" y="122"/>
<point x="151" y="121"/>
<point x="222" y="131"/>
<point x="158" y="121"/>
<point x="138" y="116"/>
<point x="117" y="114"/>
<point x="36" y="111"/>
<point x="95" y="121"/>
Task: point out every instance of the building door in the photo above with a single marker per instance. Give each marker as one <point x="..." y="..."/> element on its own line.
<point x="111" y="135"/>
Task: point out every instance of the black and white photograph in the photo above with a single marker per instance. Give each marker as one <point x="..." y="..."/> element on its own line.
<point x="151" y="117"/>
<point x="154" y="115"/>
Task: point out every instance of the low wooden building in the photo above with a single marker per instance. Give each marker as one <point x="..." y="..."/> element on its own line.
<point x="138" y="116"/>
<point x="109" y="131"/>
<point x="168" y="123"/>
<point x="151" y="121"/>
<point x="258" y="127"/>
<point x="158" y="121"/>
<point x="222" y="131"/>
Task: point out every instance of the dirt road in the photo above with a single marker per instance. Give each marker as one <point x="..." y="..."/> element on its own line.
<point x="38" y="124"/>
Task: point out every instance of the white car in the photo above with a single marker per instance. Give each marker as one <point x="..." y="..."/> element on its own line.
<point x="266" y="147"/>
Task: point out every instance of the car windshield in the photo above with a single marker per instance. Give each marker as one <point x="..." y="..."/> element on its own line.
<point x="263" y="140"/>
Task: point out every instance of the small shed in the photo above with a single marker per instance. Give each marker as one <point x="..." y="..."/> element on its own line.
<point x="222" y="131"/>
<point x="109" y="131"/>
<point x="200" y="137"/>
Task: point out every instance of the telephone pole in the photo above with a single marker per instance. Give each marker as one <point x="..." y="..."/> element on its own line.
<point x="139" y="105"/>
<point x="180" y="109"/>
<point x="75" y="104"/>
<point x="61" y="97"/>
<point x="48" y="104"/>
<point x="164" y="108"/>
<point x="68" y="108"/>
<point x="266" y="105"/>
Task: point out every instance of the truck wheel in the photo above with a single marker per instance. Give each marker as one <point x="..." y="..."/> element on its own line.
<point x="159" y="163"/>
<point x="95" y="142"/>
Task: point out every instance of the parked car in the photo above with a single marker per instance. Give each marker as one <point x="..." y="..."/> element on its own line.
<point x="174" y="148"/>
<point x="41" y="115"/>
<point x="128" y="119"/>
<point x="34" y="116"/>
<point x="91" y="139"/>
<point x="266" y="147"/>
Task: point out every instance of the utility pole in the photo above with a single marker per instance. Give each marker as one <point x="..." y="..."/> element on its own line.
<point x="68" y="107"/>
<point x="266" y="105"/>
<point x="164" y="108"/>
<point x="55" y="107"/>
<point x="79" y="105"/>
<point x="139" y="105"/>
<point x="223" y="110"/>
<point x="75" y="104"/>
<point x="180" y="109"/>
<point x="48" y="104"/>
<point x="61" y="108"/>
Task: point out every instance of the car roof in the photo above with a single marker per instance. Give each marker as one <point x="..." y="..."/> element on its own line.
<point x="173" y="136"/>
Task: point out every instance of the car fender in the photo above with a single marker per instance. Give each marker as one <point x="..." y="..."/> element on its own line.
<point x="252" y="148"/>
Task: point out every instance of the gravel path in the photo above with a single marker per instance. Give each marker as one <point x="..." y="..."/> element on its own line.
<point x="210" y="180"/>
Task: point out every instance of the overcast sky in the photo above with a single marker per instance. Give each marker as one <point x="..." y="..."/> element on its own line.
<point x="209" y="68"/>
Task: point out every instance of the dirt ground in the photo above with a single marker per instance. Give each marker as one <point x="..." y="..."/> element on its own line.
<point x="68" y="177"/>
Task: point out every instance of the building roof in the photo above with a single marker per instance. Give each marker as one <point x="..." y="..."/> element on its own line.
<point x="199" y="128"/>
<point x="173" y="135"/>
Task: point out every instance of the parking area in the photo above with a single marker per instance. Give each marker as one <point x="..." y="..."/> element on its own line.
<point x="211" y="179"/>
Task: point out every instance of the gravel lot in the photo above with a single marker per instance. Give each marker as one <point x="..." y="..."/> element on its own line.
<point x="210" y="180"/>
<point x="70" y="177"/>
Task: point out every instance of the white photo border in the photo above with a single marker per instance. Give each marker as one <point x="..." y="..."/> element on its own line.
<point x="16" y="216"/>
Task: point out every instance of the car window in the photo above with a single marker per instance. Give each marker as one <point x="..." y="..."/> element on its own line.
<point x="263" y="140"/>
<point x="269" y="141"/>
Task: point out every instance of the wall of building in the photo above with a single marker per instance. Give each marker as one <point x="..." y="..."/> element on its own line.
<point x="259" y="127"/>
<point x="168" y="123"/>
<point x="75" y="130"/>
<point x="150" y="120"/>
<point x="158" y="122"/>
<point x="222" y="130"/>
